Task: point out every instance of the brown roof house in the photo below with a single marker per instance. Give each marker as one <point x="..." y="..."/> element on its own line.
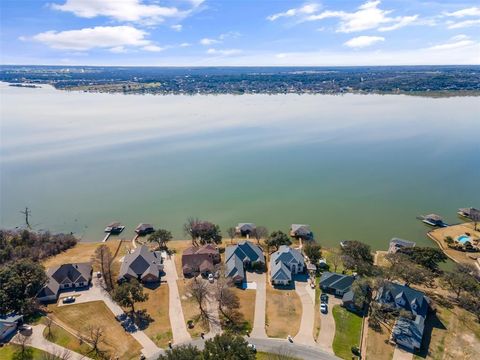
<point x="142" y="264"/>
<point x="200" y="260"/>
<point x="66" y="276"/>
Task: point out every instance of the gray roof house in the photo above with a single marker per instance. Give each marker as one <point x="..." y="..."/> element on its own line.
<point x="397" y="244"/>
<point x="285" y="263"/>
<point x="142" y="264"/>
<point x="301" y="231"/>
<point x="335" y="283"/>
<point x="244" y="229"/>
<point x="240" y="256"/>
<point x="8" y="325"/>
<point x="406" y="332"/>
<point x="66" y="276"/>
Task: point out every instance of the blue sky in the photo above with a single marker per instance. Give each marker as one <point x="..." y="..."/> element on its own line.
<point x="239" y="32"/>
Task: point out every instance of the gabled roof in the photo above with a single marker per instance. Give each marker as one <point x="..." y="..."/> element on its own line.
<point x="66" y="273"/>
<point x="409" y="332"/>
<point x="143" y="227"/>
<point x="414" y="300"/>
<point x="402" y="242"/>
<point x="139" y="261"/>
<point x="433" y="217"/>
<point x="235" y="255"/>
<point x="301" y="229"/>
<point x="287" y="255"/>
<point x="246" y="226"/>
<point x="279" y="271"/>
<point x="335" y="281"/>
<point x="234" y="267"/>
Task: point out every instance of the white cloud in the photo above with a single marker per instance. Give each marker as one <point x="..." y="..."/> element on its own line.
<point x="153" y="48"/>
<point x="456" y="42"/>
<point x="177" y="27"/>
<point x="366" y="17"/>
<point x="118" y="50"/>
<point x="116" y="38"/>
<point x="472" y="11"/>
<point x="224" y="52"/>
<point x="185" y="44"/>
<point x="363" y="41"/>
<point x="209" y="41"/>
<point x="305" y="10"/>
<point x="463" y="24"/>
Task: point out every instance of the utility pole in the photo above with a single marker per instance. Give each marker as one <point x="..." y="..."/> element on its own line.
<point x="27" y="214"/>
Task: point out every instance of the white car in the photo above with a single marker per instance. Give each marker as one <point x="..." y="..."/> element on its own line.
<point x="324" y="308"/>
<point x="252" y="347"/>
<point x="210" y="278"/>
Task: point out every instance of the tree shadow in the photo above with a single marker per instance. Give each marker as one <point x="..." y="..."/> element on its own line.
<point x="432" y="322"/>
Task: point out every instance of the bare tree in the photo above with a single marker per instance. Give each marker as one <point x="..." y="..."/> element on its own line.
<point x="103" y="258"/>
<point x="96" y="339"/>
<point x="200" y="292"/>
<point x="188" y="229"/>
<point x="48" y="324"/>
<point x="260" y="232"/>
<point x="24" y="352"/>
<point x="228" y="302"/>
<point x="475" y="217"/>
<point x="335" y="258"/>
<point x="232" y="233"/>
<point x="27" y="213"/>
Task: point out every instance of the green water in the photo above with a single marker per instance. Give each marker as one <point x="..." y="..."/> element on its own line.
<point x="354" y="166"/>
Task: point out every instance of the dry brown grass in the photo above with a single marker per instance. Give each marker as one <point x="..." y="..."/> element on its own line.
<point x="247" y="304"/>
<point x="80" y="317"/>
<point x="378" y="346"/>
<point x="190" y="309"/>
<point x="159" y="329"/>
<point x="284" y="312"/>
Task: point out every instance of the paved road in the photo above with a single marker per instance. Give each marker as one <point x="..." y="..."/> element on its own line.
<point x="37" y="340"/>
<point x="282" y="347"/>
<point x="305" y="333"/>
<point x="258" y="330"/>
<point x="177" y="319"/>
<point x="327" y="326"/>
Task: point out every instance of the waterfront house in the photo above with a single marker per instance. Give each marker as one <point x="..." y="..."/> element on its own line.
<point x="397" y="244"/>
<point x="245" y="229"/>
<point x="66" y="276"/>
<point x="114" y="228"/>
<point x="9" y="325"/>
<point x="407" y="331"/>
<point x="301" y="231"/>
<point x="142" y="264"/>
<point x="284" y="264"/>
<point x="200" y="260"/>
<point x="335" y="283"/>
<point x="242" y="256"/>
<point x="144" y="229"/>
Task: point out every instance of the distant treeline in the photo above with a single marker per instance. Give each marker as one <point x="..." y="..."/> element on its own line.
<point x="25" y="244"/>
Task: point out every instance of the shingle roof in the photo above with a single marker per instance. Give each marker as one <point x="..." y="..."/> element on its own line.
<point x="235" y="255"/>
<point x="139" y="261"/>
<point x="279" y="271"/>
<point x="415" y="301"/>
<point x="402" y="242"/>
<point x="287" y="255"/>
<point x="336" y="281"/>
<point x="409" y="332"/>
<point x="301" y="229"/>
<point x="246" y="226"/>
<point x="66" y="273"/>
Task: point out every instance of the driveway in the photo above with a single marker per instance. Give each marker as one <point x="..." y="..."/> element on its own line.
<point x="37" y="340"/>
<point x="307" y="296"/>
<point x="327" y="326"/>
<point x="258" y="330"/>
<point x="177" y="319"/>
<point x="402" y="354"/>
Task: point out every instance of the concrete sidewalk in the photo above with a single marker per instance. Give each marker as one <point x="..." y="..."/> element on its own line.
<point x="327" y="326"/>
<point x="258" y="330"/>
<point x="305" y="333"/>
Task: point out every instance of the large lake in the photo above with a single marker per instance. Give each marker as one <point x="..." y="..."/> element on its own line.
<point x="353" y="166"/>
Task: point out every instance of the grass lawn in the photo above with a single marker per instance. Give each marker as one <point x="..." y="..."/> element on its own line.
<point x="451" y="334"/>
<point x="378" y="346"/>
<point x="63" y="338"/>
<point x="247" y="305"/>
<point x="327" y="255"/>
<point x="7" y="352"/>
<point x="190" y="310"/>
<point x="347" y="332"/>
<point x="283" y="312"/>
<point x="317" y="320"/>
<point x="159" y="329"/>
<point x="80" y="317"/>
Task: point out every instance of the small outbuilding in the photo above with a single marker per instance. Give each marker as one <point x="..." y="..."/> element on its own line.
<point x="144" y="229"/>
<point x="397" y="244"/>
<point x="301" y="231"/>
<point x="245" y="229"/>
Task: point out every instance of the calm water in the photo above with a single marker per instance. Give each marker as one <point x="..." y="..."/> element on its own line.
<point x="353" y="166"/>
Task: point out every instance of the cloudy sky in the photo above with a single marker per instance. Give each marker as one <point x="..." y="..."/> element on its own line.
<point x="240" y="32"/>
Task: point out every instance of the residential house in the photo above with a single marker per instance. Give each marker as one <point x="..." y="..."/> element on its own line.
<point x="66" y="276"/>
<point x="8" y="325"/>
<point x="142" y="264"/>
<point x="407" y="331"/>
<point x="340" y="285"/>
<point x="144" y="229"/>
<point x="285" y="263"/>
<point x="301" y="231"/>
<point x="200" y="260"/>
<point x="245" y="229"/>
<point x="397" y="244"/>
<point x="241" y="256"/>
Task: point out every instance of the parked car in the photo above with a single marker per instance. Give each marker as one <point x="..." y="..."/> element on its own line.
<point x="68" y="300"/>
<point x="211" y="278"/>
<point x="289" y="338"/>
<point x="99" y="274"/>
<point x="252" y="347"/>
<point x="324" y="308"/>
<point x="324" y="298"/>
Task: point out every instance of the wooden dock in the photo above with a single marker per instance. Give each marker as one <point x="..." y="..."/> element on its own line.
<point x="106" y="237"/>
